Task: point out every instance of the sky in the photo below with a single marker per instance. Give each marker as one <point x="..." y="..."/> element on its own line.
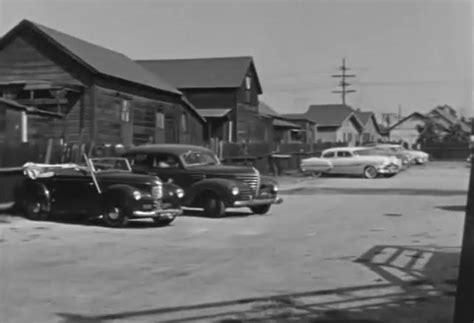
<point x="406" y="54"/>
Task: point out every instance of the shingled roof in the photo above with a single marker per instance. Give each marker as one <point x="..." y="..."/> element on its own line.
<point x="330" y="114"/>
<point x="95" y="58"/>
<point x="198" y="73"/>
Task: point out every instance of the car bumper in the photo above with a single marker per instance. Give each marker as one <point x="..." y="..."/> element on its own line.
<point x="159" y="213"/>
<point x="258" y="201"/>
<point x="392" y="169"/>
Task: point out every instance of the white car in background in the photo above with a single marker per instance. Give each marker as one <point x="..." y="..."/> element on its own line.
<point x="315" y="166"/>
<point x="420" y="157"/>
<point x="353" y="161"/>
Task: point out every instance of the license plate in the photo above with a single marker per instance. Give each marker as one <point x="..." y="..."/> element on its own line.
<point x="147" y="206"/>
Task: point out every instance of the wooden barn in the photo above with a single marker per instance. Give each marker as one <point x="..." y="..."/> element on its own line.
<point x="225" y="91"/>
<point x="101" y="96"/>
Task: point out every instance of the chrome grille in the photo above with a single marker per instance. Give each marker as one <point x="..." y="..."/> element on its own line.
<point x="252" y="180"/>
<point x="157" y="191"/>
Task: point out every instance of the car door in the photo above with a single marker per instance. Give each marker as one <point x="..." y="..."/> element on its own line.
<point x="345" y="162"/>
<point x="73" y="192"/>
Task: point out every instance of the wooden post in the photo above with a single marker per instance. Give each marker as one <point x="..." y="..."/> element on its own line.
<point x="49" y="149"/>
<point x="464" y="309"/>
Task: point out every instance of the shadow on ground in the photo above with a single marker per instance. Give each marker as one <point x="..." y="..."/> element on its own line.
<point x="416" y="285"/>
<point x="230" y="214"/>
<point x="454" y="208"/>
<point x="372" y="191"/>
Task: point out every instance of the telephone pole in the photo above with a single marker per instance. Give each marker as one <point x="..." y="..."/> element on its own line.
<point x="343" y="84"/>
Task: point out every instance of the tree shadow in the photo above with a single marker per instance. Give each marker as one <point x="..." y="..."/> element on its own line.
<point x="416" y="282"/>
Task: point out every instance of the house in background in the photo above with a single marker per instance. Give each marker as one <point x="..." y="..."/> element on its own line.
<point x="102" y="96"/>
<point x="225" y="91"/>
<point x="448" y="117"/>
<point x="333" y="123"/>
<point x="371" y="131"/>
<point x="407" y="130"/>
<point x="307" y="127"/>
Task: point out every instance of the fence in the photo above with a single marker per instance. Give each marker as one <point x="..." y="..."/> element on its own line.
<point x="447" y="150"/>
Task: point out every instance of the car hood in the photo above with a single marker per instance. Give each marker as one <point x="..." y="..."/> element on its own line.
<point x="222" y="170"/>
<point x="127" y="178"/>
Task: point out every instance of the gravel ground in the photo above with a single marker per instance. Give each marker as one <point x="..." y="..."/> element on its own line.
<point x="336" y="250"/>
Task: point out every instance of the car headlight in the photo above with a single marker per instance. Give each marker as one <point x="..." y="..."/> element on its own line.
<point x="179" y="193"/>
<point x="137" y="195"/>
<point x="235" y="191"/>
<point x="275" y="188"/>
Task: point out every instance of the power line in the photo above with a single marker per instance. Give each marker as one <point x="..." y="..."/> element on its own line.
<point x="343" y="84"/>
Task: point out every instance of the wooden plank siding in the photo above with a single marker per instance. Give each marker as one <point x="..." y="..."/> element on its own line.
<point x="143" y="120"/>
<point x="19" y="60"/>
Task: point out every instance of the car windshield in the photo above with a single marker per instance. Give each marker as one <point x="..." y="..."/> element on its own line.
<point x="199" y="158"/>
<point x="110" y="164"/>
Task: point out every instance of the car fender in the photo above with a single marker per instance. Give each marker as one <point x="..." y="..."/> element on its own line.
<point x="35" y="188"/>
<point x="169" y="194"/>
<point x="120" y="192"/>
<point x="219" y="186"/>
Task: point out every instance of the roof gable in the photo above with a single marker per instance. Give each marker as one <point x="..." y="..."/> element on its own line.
<point x="367" y="116"/>
<point x="95" y="58"/>
<point x="266" y="110"/>
<point x="198" y="73"/>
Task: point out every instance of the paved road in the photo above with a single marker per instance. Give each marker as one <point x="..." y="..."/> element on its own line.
<point x="336" y="244"/>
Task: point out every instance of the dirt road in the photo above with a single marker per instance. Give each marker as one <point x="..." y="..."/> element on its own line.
<point x="337" y="247"/>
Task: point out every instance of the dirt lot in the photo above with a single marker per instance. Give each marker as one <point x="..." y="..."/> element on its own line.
<point x="337" y="250"/>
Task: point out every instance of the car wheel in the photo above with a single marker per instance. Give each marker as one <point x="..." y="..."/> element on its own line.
<point x="34" y="209"/>
<point x="115" y="216"/>
<point x="214" y="207"/>
<point x="370" y="172"/>
<point x="161" y="222"/>
<point x="261" y="209"/>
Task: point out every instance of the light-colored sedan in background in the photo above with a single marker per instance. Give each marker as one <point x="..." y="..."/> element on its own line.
<point x="353" y="161"/>
<point x="420" y="157"/>
<point x="315" y="166"/>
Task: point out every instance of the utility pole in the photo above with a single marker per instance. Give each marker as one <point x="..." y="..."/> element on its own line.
<point x="463" y="310"/>
<point x="343" y="84"/>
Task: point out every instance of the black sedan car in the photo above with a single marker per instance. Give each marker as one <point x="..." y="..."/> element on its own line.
<point x="104" y="187"/>
<point x="207" y="183"/>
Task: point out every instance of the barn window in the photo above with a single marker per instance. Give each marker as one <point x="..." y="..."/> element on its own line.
<point x="160" y="120"/>
<point x="184" y="123"/>
<point x="125" y="111"/>
<point x="248" y="86"/>
<point x="248" y="83"/>
<point x="24" y="127"/>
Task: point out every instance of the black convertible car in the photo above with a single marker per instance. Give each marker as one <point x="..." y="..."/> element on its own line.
<point x="207" y="183"/>
<point x="104" y="187"/>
